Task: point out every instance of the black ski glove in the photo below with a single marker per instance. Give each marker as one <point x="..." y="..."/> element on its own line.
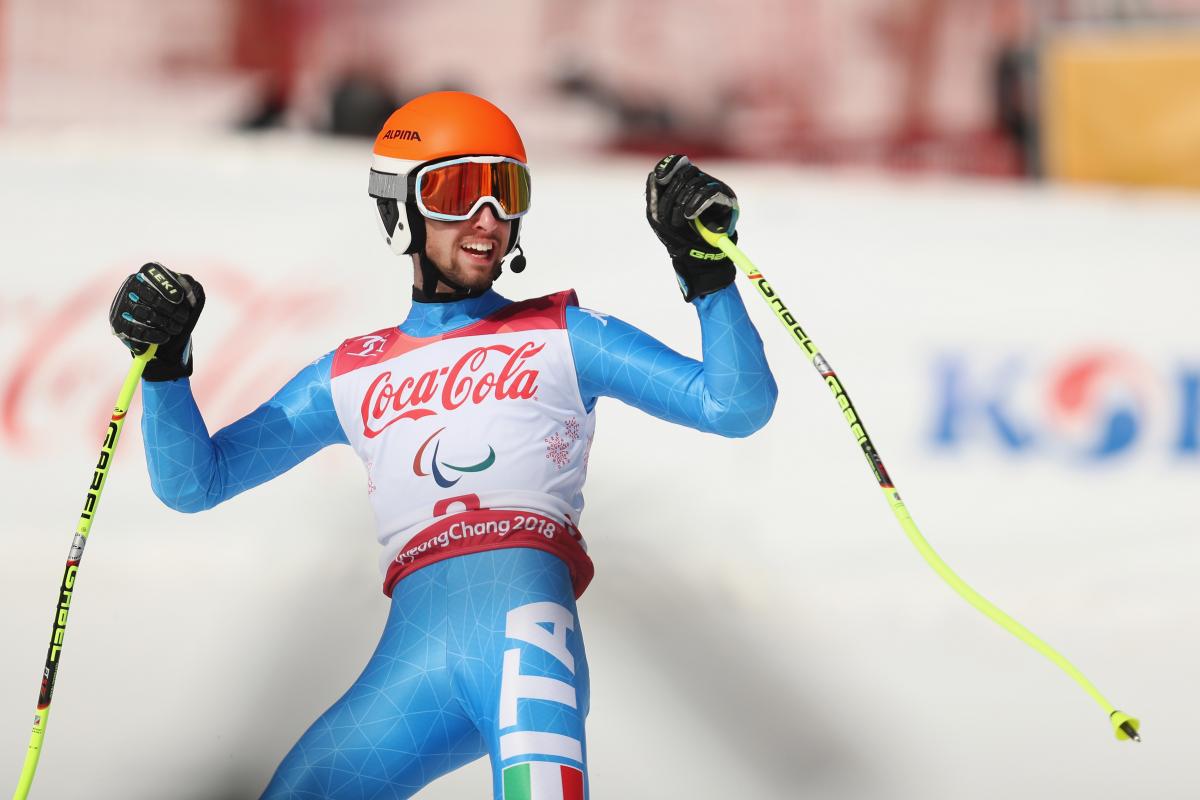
<point x="676" y="194"/>
<point x="158" y="306"/>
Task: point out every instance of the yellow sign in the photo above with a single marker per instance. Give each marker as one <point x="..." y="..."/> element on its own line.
<point x="1123" y="107"/>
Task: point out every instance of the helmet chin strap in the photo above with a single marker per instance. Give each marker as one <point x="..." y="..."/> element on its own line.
<point x="431" y="274"/>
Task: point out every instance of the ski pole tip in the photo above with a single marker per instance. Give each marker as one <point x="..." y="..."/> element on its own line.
<point x="1125" y="726"/>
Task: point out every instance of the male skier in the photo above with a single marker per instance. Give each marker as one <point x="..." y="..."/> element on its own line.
<point x="474" y="418"/>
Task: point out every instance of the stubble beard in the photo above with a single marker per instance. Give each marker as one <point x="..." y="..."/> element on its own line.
<point x="472" y="277"/>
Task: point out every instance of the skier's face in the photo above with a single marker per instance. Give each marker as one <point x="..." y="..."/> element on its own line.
<point x="468" y="252"/>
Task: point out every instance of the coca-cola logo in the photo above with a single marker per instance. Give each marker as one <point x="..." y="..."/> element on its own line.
<point x="473" y="378"/>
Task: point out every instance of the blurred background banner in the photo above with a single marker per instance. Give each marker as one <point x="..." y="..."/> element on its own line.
<point x="981" y="211"/>
<point x="963" y="87"/>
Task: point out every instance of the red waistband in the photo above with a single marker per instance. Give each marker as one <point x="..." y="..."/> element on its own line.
<point x="492" y="529"/>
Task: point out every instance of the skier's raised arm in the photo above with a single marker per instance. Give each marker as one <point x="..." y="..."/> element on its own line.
<point x="731" y="391"/>
<point x="190" y="470"/>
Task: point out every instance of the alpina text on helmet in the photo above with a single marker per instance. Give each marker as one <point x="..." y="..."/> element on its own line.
<point x="396" y="133"/>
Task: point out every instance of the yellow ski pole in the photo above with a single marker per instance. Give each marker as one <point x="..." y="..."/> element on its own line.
<point x="1124" y="726"/>
<point x="91" y="501"/>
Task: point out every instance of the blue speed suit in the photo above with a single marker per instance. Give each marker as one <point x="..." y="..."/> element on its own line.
<point x="429" y="700"/>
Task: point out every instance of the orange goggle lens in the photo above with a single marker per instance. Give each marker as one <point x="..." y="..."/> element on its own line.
<point x="453" y="190"/>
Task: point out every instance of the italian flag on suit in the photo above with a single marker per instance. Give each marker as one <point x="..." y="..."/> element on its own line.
<point x="542" y="780"/>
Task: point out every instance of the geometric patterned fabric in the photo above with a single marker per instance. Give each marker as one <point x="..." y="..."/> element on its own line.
<point x="429" y="699"/>
<point x="731" y="393"/>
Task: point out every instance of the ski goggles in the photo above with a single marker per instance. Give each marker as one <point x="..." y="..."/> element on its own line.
<point x="454" y="190"/>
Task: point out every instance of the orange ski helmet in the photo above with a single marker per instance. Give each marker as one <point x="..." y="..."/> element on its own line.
<point x="446" y="128"/>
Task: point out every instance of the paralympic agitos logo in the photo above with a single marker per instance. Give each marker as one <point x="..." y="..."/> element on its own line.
<point x="437" y="468"/>
<point x="472" y="379"/>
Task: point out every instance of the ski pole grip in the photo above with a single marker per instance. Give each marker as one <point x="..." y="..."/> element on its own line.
<point x="722" y="242"/>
